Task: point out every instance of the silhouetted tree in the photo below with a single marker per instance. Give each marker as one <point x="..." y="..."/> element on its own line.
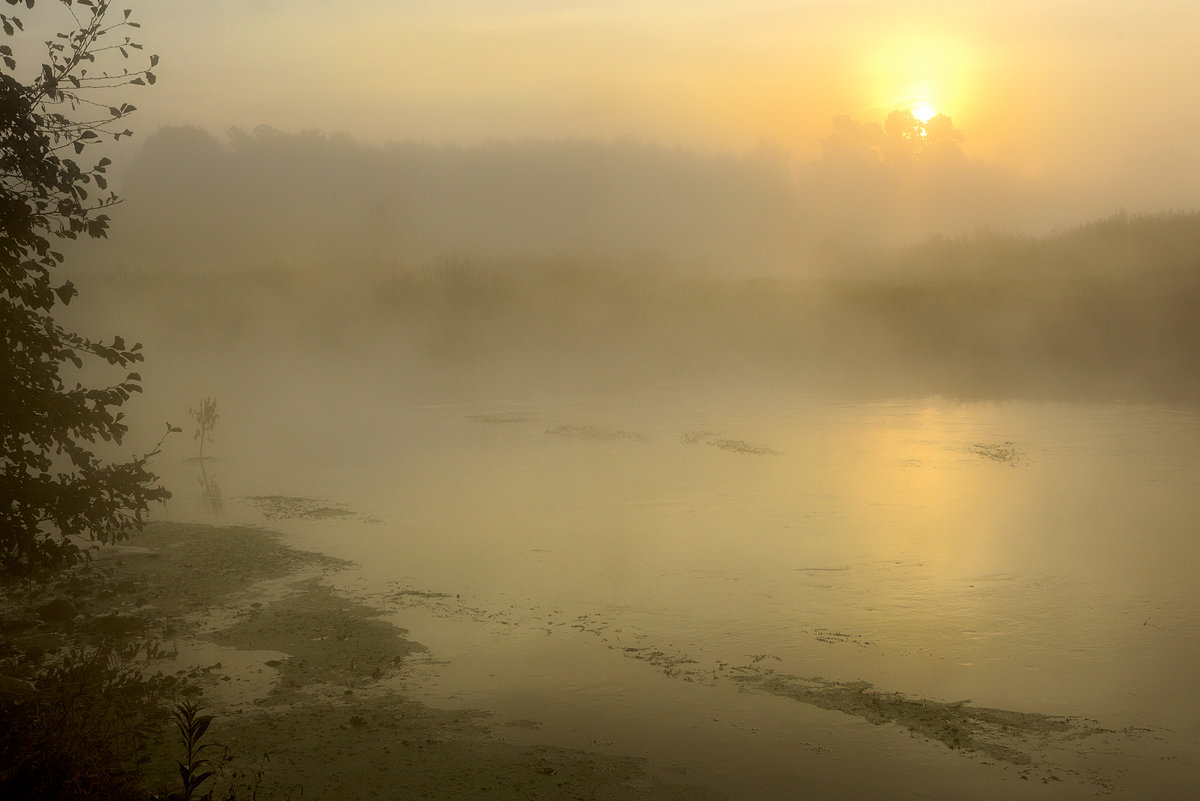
<point x="54" y="490"/>
<point x="943" y="143"/>
<point x="902" y="141"/>
<point x="903" y="138"/>
<point x="852" y="142"/>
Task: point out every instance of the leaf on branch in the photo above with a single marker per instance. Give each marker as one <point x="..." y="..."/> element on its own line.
<point x="150" y="77"/>
<point x="153" y="61"/>
<point x="138" y="82"/>
<point x="65" y="292"/>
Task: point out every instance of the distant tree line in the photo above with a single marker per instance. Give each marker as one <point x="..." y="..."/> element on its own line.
<point x="308" y="194"/>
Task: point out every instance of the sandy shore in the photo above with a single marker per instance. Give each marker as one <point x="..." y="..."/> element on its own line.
<point x="307" y="686"/>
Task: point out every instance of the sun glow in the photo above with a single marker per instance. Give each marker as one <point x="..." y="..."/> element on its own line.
<point x="922" y="73"/>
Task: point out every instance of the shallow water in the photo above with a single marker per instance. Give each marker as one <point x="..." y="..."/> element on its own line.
<point x="626" y="570"/>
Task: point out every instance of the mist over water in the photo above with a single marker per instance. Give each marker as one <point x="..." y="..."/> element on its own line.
<point x="879" y="269"/>
<point x="624" y="434"/>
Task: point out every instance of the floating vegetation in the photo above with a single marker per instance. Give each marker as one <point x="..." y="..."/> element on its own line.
<point x="422" y="594"/>
<point x="1003" y="452"/>
<point x="734" y="445"/>
<point x="597" y="433"/>
<point x="503" y="417"/>
<point x="839" y="638"/>
<point x="288" y="507"/>
<point x="741" y="446"/>
<point x="675" y="666"/>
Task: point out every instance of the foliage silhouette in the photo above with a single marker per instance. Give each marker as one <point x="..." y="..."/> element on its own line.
<point x="194" y="770"/>
<point x="206" y="420"/>
<point x="57" y="490"/>
<point x="81" y="736"/>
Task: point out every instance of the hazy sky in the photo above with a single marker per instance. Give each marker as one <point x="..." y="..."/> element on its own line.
<point x="1058" y="86"/>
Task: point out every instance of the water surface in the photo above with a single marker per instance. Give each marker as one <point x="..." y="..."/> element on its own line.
<point x="629" y="571"/>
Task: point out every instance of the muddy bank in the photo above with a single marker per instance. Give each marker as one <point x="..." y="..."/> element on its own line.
<point x="306" y="685"/>
<point x="999" y="734"/>
<point x="311" y="687"/>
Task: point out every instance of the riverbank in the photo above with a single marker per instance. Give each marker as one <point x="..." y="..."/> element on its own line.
<point x="306" y="686"/>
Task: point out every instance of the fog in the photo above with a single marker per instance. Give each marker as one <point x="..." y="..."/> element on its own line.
<point x="876" y="185"/>
<point x="890" y="265"/>
<point x="641" y="359"/>
<point x="631" y="436"/>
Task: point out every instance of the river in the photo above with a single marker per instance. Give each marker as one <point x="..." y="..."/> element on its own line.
<point x="777" y="595"/>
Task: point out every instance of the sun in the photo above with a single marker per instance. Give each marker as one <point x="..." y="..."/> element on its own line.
<point x="924" y="111"/>
<point x="922" y="72"/>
